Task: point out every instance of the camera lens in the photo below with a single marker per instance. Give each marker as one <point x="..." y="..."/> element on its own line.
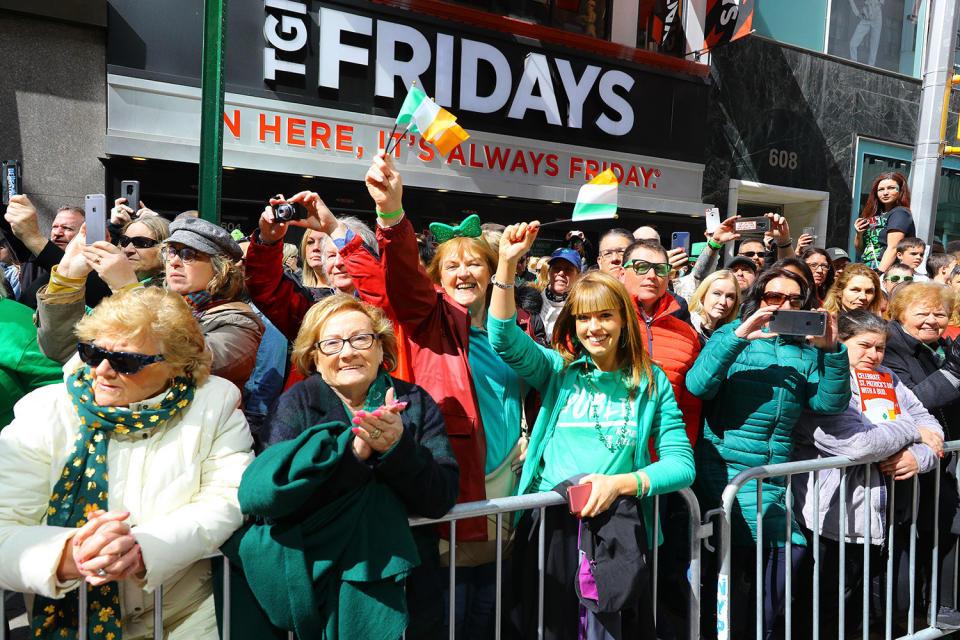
<point x="284" y="211"/>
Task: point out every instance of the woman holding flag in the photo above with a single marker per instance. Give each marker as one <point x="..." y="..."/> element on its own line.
<point x="603" y="401"/>
<point x="443" y="313"/>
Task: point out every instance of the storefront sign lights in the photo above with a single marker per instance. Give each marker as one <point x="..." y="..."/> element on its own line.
<point x="288" y="33"/>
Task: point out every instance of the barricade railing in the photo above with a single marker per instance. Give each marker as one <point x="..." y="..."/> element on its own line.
<point x="788" y="471"/>
<point x="499" y="507"/>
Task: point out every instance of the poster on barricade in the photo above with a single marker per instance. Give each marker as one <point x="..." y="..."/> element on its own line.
<point x="878" y="399"/>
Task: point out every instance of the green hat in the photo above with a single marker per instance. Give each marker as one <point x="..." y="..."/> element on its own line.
<point x="697" y="248"/>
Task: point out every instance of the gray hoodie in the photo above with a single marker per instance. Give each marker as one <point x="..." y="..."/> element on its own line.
<point x="851" y="434"/>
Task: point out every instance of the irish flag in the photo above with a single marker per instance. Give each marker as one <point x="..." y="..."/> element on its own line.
<point x="434" y="123"/>
<point x="598" y="198"/>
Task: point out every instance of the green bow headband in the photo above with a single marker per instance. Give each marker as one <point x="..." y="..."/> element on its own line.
<point x="469" y="228"/>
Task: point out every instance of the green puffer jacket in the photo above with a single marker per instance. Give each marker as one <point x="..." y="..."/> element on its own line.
<point x="753" y="393"/>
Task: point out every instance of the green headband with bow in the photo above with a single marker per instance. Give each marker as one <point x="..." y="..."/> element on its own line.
<point x="469" y="228"/>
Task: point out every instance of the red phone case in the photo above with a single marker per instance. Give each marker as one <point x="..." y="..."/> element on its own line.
<point x="578" y="495"/>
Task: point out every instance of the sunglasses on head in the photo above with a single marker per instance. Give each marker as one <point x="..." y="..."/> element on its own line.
<point x="640" y="267"/>
<point x="896" y="279"/>
<point x="775" y="297"/>
<point x="751" y="254"/>
<point x="139" y="242"/>
<point x="120" y="361"/>
<point x="187" y="254"/>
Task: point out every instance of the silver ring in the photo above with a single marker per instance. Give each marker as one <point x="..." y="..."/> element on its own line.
<point x="102" y="573"/>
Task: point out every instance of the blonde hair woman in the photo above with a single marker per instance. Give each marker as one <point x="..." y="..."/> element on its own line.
<point x="603" y="401"/>
<point x="715" y="303"/>
<point x="140" y="425"/>
<point x="371" y="449"/>
<point x="858" y="287"/>
<point x="311" y="251"/>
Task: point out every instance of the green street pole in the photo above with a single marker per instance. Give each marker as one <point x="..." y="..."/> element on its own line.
<point x="211" y="114"/>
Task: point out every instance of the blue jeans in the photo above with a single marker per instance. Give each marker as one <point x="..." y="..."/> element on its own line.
<point x="475" y="599"/>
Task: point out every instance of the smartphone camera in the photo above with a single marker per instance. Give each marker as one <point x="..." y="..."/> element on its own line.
<point x="287" y="211"/>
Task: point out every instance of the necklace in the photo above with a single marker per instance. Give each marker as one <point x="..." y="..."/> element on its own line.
<point x="615" y="442"/>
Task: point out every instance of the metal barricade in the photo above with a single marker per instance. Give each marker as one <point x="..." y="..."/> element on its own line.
<point x="499" y="507"/>
<point x="788" y="471"/>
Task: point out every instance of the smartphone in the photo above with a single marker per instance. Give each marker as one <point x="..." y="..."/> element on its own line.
<point x="11" y="180"/>
<point x="681" y="239"/>
<point x="95" y="205"/>
<point x="752" y="225"/>
<point x="874" y="221"/>
<point x="130" y="189"/>
<point x="713" y="219"/>
<point x="578" y="494"/>
<point x="810" y="231"/>
<point x="798" y="323"/>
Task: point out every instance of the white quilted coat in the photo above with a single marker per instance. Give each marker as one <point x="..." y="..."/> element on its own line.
<point x="179" y="484"/>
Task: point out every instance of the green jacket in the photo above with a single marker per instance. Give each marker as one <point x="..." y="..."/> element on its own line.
<point x="658" y="418"/>
<point x="754" y="391"/>
<point x="23" y="367"/>
<point x="337" y="569"/>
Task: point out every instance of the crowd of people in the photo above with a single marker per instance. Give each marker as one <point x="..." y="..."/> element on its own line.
<point x="179" y="389"/>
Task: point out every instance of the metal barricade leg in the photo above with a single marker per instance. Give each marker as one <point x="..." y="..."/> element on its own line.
<point x="891" y="533"/>
<point x="227" y="610"/>
<point x="816" y="555"/>
<point x="911" y="611"/>
<point x="82" y="615"/>
<point x="693" y="525"/>
<point x="935" y="569"/>
<point x="759" y="569"/>
<point x="788" y="562"/>
<point x="656" y="556"/>
<point x="3" y="615"/>
<point x="453" y="580"/>
<point x="541" y="570"/>
<point x="158" y="613"/>
<point x="498" y="611"/>
<point x="842" y="564"/>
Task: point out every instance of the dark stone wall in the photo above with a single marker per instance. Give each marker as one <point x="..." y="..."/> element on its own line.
<point x="53" y="107"/>
<point x="769" y="96"/>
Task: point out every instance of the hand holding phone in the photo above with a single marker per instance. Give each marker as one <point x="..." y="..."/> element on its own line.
<point x="790" y="322"/>
<point x="681" y="239"/>
<point x="11" y="180"/>
<point x="578" y="495"/>
<point x="759" y="224"/>
<point x="95" y="206"/>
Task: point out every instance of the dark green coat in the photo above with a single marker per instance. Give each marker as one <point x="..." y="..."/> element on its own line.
<point x="754" y="392"/>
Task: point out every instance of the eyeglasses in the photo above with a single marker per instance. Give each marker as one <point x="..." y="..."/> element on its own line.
<point x="139" y="242"/>
<point x="333" y="346"/>
<point x="818" y="267"/>
<point x="120" y="361"/>
<point x="751" y="254"/>
<point x="777" y="298"/>
<point x="896" y="279"/>
<point x="640" y="267"/>
<point x="609" y="253"/>
<point x="187" y="254"/>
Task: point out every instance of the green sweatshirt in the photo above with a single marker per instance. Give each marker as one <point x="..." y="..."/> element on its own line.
<point x="23" y="367"/>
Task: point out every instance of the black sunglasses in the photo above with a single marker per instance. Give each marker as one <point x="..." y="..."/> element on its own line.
<point x="120" y="361"/>
<point x="139" y="242"/>
<point x="751" y="254"/>
<point x="187" y="254"/>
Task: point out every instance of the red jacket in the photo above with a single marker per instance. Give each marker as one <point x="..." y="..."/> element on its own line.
<point x="438" y="336"/>
<point x="675" y="346"/>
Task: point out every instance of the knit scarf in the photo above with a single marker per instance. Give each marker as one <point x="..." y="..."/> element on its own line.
<point x="200" y="301"/>
<point x="377" y="393"/>
<point x="83" y="488"/>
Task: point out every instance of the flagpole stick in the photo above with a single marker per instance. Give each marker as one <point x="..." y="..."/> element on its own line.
<point x="567" y="220"/>
<point x="402" y="136"/>
<point x="390" y="139"/>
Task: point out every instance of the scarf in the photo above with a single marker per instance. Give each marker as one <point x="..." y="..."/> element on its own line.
<point x="555" y="297"/>
<point x="376" y="394"/>
<point x="200" y="301"/>
<point x="83" y="488"/>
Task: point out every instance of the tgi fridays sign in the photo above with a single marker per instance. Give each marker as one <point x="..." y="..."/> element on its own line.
<point x="147" y="118"/>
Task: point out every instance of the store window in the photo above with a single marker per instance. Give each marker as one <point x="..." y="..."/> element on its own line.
<point x="948" y="205"/>
<point x="878" y="33"/>
<point x="587" y="17"/>
<point x="660" y="26"/>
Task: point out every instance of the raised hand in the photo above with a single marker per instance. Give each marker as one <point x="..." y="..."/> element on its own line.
<point x="805" y="240"/>
<point x="111" y="264"/>
<point x="380" y="429"/>
<point x="827" y="342"/>
<point x="779" y="228"/>
<point x="319" y="216"/>
<point x="517" y="240"/>
<point x="74" y="263"/>
<point x="725" y="232"/>
<point x="121" y="214"/>
<point x="752" y="327"/>
<point x="271" y="229"/>
<point x="384" y="184"/>
<point x="22" y="216"/>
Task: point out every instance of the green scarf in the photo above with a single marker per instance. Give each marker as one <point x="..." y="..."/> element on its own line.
<point x="82" y="489"/>
<point x="376" y="394"/>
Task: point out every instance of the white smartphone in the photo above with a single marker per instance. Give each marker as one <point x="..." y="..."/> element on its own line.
<point x="713" y="219"/>
<point x="95" y="205"/>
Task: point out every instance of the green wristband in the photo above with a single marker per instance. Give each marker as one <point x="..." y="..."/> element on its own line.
<point x="395" y="214"/>
<point x="639" y="484"/>
<point x="715" y="247"/>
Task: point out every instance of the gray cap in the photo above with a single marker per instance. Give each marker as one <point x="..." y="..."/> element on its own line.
<point x="836" y="253"/>
<point x="204" y="236"/>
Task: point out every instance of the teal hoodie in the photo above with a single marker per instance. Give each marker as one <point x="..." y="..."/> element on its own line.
<point x="23" y="367"/>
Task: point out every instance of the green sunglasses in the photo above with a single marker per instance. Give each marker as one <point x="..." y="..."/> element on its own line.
<point x="640" y="267"/>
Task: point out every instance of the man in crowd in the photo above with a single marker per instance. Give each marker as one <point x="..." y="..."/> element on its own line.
<point x="897" y="275"/>
<point x="674" y="343"/>
<point x="840" y="259"/>
<point x="646" y="232"/>
<point x="38" y="254"/>
<point x="563" y="273"/>
<point x="744" y="269"/>
<point x="612" y="245"/>
<point x="754" y="249"/>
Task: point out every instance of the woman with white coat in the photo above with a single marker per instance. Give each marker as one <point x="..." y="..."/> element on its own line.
<point x="123" y="478"/>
